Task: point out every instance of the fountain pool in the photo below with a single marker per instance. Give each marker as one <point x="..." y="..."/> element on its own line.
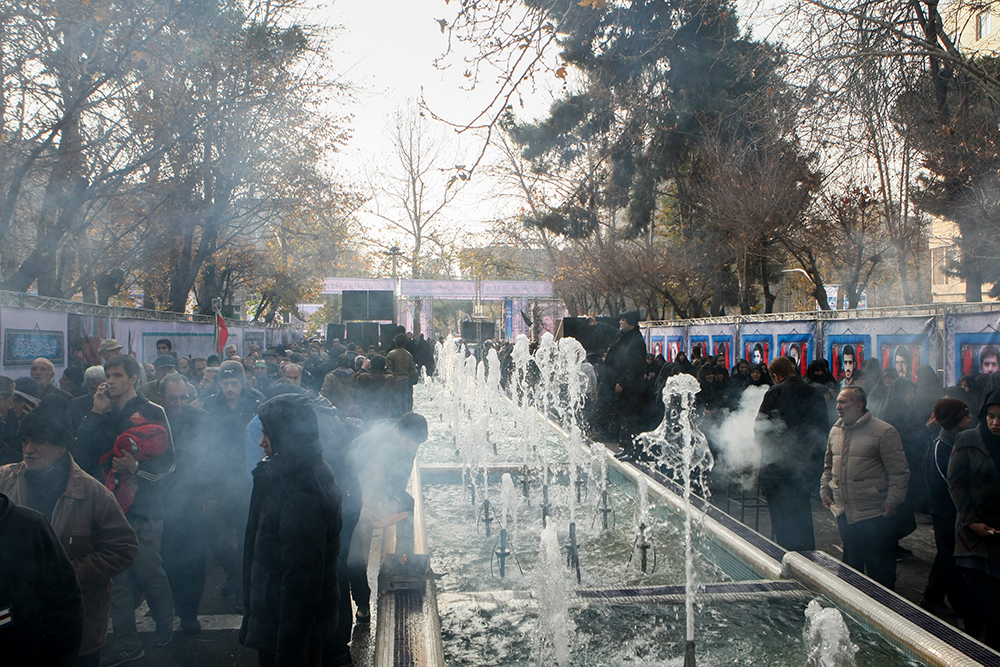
<point x="745" y="611"/>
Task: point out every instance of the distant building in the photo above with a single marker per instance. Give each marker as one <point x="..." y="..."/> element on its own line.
<point x="975" y="26"/>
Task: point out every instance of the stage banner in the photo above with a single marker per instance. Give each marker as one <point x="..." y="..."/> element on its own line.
<point x="28" y="334"/>
<point x="84" y="335"/>
<point x="761" y="342"/>
<point x="713" y="339"/>
<point x="138" y="337"/>
<point x="670" y="341"/>
<point x="971" y="345"/>
<point x="903" y="342"/>
<point x="508" y="319"/>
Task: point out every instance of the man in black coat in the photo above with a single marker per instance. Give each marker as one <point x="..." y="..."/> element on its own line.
<point x="622" y="385"/>
<point x="41" y="604"/>
<point x="791" y="433"/>
<point x="292" y="539"/>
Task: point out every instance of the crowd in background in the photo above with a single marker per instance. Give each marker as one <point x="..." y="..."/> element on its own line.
<point x="119" y="481"/>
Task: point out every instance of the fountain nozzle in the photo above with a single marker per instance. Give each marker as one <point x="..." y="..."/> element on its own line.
<point x="689" y="654"/>
<point x="503" y="552"/>
<point x="487" y="519"/>
<point x="573" y="552"/>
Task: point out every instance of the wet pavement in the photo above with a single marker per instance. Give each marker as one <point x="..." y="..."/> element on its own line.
<point x="217" y="645"/>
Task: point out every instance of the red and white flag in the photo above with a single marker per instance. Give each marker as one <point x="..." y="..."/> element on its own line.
<point x="221" y="333"/>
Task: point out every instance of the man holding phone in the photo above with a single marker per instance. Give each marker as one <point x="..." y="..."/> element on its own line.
<point x="125" y="443"/>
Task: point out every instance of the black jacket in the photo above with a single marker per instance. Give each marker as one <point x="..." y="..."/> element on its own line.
<point x="791" y="431"/>
<point x="96" y="437"/>
<point x="292" y="538"/>
<point x="625" y="364"/>
<point x="41" y="604"/>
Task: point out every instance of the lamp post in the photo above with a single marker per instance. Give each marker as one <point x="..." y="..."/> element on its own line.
<point x="395" y="253"/>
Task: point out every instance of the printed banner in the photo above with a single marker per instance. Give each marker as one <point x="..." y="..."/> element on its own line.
<point x="30" y="333"/>
<point x="902" y="342"/>
<point x="710" y="340"/>
<point x="672" y="340"/>
<point x="762" y="342"/>
<point x="252" y="337"/>
<point x="84" y="334"/>
<point x="972" y="345"/>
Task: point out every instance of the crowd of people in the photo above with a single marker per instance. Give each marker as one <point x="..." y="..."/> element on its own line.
<point x="122" y="481"/>
<point x="875" y="448"/>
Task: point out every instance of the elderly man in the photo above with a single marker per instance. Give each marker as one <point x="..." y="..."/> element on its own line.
<point x="865" y="478"/>
<point x="83" y="512"/>
<point x="108" y="348"/>
<point x="93" y="378"/>
<point x="164" y="365"/>
<point x="43" y="372"/>
<point x="185" y="532"/>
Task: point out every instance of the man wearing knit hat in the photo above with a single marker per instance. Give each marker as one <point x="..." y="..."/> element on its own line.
<point x="83" y="513"/>
<point x="230" y="410"/>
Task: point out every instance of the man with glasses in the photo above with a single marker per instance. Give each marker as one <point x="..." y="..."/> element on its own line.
<point x="185" y="534"/>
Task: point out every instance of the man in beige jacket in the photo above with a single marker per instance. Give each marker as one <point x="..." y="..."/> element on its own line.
<point x="865" y="478"/>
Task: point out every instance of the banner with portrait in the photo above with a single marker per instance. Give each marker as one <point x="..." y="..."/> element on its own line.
<point x="972" y="345"/>
<point x="762" y="342"/>
<point x="849" y="343"/>
<point x="672" y="340"/>
<point x="712" y="339"/>
<point x="138" y="338"/>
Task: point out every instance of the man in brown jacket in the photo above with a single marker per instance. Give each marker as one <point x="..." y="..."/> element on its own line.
<point x="865" y="477"/>
<point x="83" y="513"/>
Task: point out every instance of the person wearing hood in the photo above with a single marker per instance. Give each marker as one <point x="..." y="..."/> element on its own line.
<point x="338" y="385"/>
<point x="292" y="540"/>
<point x="945" y="578"/>
<point x="83" y="513"/>
<point x="622" y="383"/>
<point x="974" y="485"/>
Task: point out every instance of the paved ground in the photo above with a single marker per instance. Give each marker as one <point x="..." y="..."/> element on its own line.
<point x="217" y="645"/>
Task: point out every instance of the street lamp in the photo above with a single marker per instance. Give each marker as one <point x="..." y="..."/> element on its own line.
<point x="395" y="253"/>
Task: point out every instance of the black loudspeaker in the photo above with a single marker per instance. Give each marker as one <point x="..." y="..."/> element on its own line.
<point x="354" y="306"/>
<point x="386" y="332"/>
<point x="593" y="338"/>
<point x="355" y="333"/>
<point x="370" y="334"/>
<point x="477" y="332"/>
<point x="380" y="306"/>
<point x="335" y="331"/>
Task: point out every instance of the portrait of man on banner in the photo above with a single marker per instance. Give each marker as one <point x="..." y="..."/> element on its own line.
<point x="904" y="357"/>
<point x="722" y="345"/>
<point x="796" y="347"/>
<point x="757" y="349"/>
<point x="978" y="354"/>
<point x="657" y="345"/>
<point x="847" y="354"/>
<point x="674" y="345"/>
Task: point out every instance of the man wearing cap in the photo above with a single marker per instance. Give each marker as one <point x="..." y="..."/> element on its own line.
<point x="622" y="386"/>
<point x="83" y="513"/>
<point x="43" y="372"/>
<point x="165" y="364"/>
<point x="125" y="443"/>
<point x="72" y="381"/>
<point x="108" y="348"/>
<point x="26" y="397"/>
<point x="230" y="410"/>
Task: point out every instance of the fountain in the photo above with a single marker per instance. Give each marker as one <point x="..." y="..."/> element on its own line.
<point x="556" y="455"/>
